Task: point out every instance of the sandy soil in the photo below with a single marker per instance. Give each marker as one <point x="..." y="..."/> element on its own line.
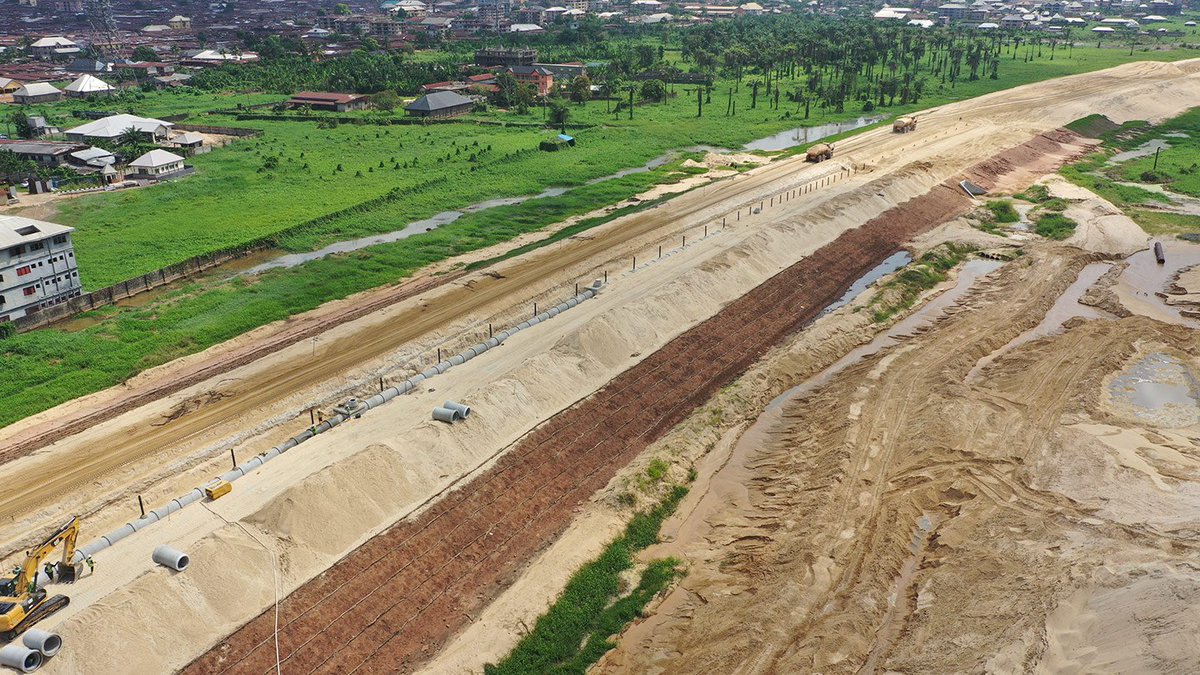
<point x="257" y="404"/>
<point x="869" y="527"/>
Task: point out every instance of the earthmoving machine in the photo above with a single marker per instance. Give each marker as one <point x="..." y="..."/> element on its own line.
<point x="903" y="125"/>
<point x="22" y="601"/>
<point x="819" y="152"/>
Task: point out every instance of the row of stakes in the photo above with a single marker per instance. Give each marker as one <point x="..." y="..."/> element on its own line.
<point x="780" y="198"/>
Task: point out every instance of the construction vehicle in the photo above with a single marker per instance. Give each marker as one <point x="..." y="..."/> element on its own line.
<point x="903" y="125"/>
<point x="22" y="601"/>
<point x="819" y="152"/>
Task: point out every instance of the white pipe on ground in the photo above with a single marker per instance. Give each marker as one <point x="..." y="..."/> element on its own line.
<point x="44" y="642"/>
<point x="20" y="657"/>
<point x="168" y="557"/>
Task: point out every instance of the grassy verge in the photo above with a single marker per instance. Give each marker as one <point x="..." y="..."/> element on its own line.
<point x="575" y="632"/>
<point x="898" y="294"/>
<point x="1002" y="211"/>
<point x="1054" y="225"/>
<point x="48" y="367"/>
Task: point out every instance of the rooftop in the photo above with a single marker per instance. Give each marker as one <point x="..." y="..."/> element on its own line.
<point x="17" y="230"/>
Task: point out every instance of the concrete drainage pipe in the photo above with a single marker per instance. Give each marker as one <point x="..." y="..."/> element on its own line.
<point x="448" y="415"/>
<point x="44" y="642"/>
<point x="20" y="657"/>
<point x="463" y="410"/>
<point x="169" y="557"/>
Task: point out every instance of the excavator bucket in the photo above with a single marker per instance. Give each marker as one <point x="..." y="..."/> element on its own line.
<point x="65" y="573"/>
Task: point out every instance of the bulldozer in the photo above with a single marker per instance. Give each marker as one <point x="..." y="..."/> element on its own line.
<point x="819" y="152"/>
<point x="903" y="125"/>
<point x="23" y="602"/>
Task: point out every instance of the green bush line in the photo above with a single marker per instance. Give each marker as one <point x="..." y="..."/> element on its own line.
<point x="572" y="230"/>
<point x="902" y="291"/>
<point x="577" y="629"/>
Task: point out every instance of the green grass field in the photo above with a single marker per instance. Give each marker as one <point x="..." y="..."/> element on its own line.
<point x="1177" y="171"/>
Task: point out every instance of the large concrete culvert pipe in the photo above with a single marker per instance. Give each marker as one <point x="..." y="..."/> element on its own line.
<point x="447" y="415"/>
<point x="197" y="494"/>
<point x="43" y="642"/>
<point x="464" y="410"/>
<point x="168" y="557"/>
<point x="19" y="657"/>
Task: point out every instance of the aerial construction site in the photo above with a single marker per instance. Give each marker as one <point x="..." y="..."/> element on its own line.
<point x="996" y="473"/>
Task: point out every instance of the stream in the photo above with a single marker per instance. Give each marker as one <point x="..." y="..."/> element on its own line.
<point x="779" y="141"/>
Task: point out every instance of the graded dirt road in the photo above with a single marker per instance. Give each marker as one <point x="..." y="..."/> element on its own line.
<point x="906" y="517"/>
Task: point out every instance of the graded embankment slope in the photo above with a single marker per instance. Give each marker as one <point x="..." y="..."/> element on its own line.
<point x="906" y="517"/>
<point x="232" y="577"/>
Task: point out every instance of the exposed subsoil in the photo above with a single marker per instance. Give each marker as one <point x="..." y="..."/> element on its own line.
<point x="392" y="603"/>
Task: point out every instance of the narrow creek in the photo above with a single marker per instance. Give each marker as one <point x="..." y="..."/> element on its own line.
<point x="727" y="485"/>
<point x="780" y="141"/>
<point x="1066" y="307"/>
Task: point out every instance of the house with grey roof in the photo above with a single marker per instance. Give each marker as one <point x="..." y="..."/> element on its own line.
<point x="439" y="105"/>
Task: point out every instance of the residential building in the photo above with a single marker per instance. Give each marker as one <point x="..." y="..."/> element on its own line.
<point x="46" y="153"/>
<point x="37" y="266"/>
<point x="49" y="48"/>
<point x="1012" y="22"/>
<point x="190" y="141"/>
<point x="440" y="104"/>
<point x="953" y="11"/>
<point x="38" y="127"/>
<point x="328" y="101"/>
<point x="437" y="25"/>
<point x="36" y="92"/>
<point x="499" y="56"/>
<point x="89" y="66"/>
<point x="8" y="85"/>
<point x="541" y="79"/>
<point x="565" y="71"/>
<point x="94" y="158"/>
<point x="156" y="164"/>
<point x="110" y="128"/>
<point x="88" y="86"/>
<point x="180" y="22"/>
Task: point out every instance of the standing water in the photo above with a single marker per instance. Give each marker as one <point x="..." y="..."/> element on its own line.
<point x="780" y="141"/>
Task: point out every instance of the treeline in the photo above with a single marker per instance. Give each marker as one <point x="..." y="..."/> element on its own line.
<point x="361" y="72"/>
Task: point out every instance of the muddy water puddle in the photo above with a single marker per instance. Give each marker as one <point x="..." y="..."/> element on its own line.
<point x="1144" y="150"/>
<point x="1141" y="287"/>
<point x="1065" y="308"/>
<point x="890" y="264"/>
<point x="801" y="135"/>
<point x="931" y="311"/>
<point x="1158" y="388"/>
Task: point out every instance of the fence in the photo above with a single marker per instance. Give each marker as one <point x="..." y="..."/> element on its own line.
<point x="130" y="287"/>
<point x="224" y="131"/>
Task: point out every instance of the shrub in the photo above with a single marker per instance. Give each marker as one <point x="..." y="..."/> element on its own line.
<point x="1003" y="211"/>
<point x="1055" y="226"/>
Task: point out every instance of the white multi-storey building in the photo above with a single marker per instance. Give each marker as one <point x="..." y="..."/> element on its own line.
<point x="37" y="266"/>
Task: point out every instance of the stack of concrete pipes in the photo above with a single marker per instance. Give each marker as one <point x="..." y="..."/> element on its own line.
<point x="97" y="545"/>
<point x="31" y="652"/>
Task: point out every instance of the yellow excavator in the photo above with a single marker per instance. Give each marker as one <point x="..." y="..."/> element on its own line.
<point x="22" y="602"/>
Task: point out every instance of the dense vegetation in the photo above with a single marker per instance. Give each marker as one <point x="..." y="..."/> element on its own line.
<point x="577" y="629"/>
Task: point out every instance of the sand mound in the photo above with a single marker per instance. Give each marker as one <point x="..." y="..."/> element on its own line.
<point x="1102" y="227"/>
<point x="375" y="481"/>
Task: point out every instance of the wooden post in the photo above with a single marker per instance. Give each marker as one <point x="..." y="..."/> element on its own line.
<point x="489" y="330"/>
<point x="660" y="251"/>
<point x="312" y="418"/>
<point x="634" y="268"/>
<point x="233" y="457"/>
<point x="535" y="309"/>
<point x="381" y="384"/>
<point x="141" y="506"/>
